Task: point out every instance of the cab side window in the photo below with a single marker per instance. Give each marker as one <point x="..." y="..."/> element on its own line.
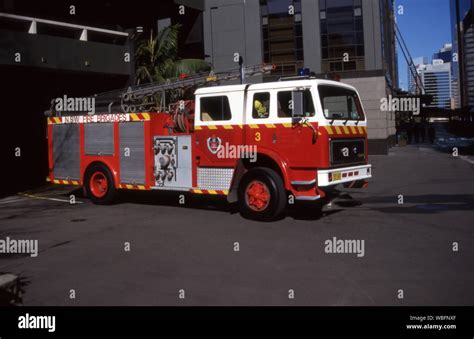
<point x="285" y="104"/>
<point x="215" y="108"/>
<point x="261" y="105"/>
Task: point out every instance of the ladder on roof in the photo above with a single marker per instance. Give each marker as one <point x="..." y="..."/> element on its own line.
<point x="157" y="96"/>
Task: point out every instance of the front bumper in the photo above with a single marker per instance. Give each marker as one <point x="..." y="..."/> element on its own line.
<point x="335" y="176"/>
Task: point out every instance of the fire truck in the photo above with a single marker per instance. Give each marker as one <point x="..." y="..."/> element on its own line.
<point x="260" y="145"/>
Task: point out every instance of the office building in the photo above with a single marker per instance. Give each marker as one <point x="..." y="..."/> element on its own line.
<point x="462" y="25"/>
<point x="445" y="53"/>
<point x="353" y="38"/>
<point x="437" y="82"/>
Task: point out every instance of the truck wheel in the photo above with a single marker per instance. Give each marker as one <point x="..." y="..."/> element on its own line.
<point x="99" y="184"/>
<point x="262" y="195"/>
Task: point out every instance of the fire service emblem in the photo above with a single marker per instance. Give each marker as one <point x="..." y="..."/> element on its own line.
<point x="214" y="144"/>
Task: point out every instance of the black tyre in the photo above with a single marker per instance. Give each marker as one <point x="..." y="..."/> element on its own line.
<point x="99" y="184"/>
<point x="262" y="195"/>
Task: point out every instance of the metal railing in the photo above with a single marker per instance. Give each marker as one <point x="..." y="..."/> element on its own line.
<point x="33" y="27"/>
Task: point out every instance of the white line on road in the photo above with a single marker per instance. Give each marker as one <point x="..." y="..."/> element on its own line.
<point x="8" y="201"/>
<point x="46" y="198"/>
<point x="467" y="158"/>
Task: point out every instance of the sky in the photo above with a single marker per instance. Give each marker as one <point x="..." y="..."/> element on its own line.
<point x="425" y="26"/>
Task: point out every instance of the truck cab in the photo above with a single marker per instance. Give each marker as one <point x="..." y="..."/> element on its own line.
<point x="306" y="137"/>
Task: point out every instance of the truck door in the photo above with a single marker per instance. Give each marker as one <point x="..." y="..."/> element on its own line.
<point x="218" y="129"/>
<point x="273" y="128"/>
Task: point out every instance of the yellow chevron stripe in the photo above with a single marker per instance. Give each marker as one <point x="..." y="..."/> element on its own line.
<point x="197" y="191"/>
<point x="360" y="129"/>
<point x="133" y="117"/>
<point x="287" y="124"/>
<point x="198" y="128"/>
<point x="253" y="126"/>
<point x="338" y="131"/>
<point x="270" y="126"/>
<point x="345" y="129"/>
<point x="211" y="191"/>
<point x="75" y="182"/>
<point x="146" y="116"/>
<point x="226" y="192"/>
<point x="212" y="127"/>
<point x="353" y="129"/>
<point x="328" y="129"/>
<point x="129" y="186"/>
<point x="366" y="130"/>
<point x="141" y="187"/>
<point x="56" y="181"/>
<point x="228" y="127"/>
<point x="240" y="125"/>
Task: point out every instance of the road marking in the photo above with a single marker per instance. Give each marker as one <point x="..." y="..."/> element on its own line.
<point x="467" y="158"/>
<point x="9" y="200"/>
<point x="46" y="198"/>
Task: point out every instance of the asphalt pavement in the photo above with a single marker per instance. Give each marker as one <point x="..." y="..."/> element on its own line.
<point x="415" y="221"/>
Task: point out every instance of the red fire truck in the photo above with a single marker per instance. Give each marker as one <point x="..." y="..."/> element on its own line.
<point x="258" y="144"/>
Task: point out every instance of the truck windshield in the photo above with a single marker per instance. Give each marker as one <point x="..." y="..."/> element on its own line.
<point x="340" y="103"/>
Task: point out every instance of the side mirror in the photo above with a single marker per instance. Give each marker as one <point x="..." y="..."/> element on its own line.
<point x="297" y="100"/>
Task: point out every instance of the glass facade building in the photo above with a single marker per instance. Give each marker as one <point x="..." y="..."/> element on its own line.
<point x="437" y="82"/>
<point x="342" y="35"/>
<point x="282" y="34"/>
<point x="462" y="25"/>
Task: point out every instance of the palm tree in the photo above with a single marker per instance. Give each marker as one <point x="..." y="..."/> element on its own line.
<point x="156" y="58"/>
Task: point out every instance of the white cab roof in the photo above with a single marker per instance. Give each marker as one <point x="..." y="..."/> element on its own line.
<point x="270" y="85"/>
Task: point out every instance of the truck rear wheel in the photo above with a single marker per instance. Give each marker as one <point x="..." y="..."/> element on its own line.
<point x="99" y="184"/>
<point x="262" y="195"/>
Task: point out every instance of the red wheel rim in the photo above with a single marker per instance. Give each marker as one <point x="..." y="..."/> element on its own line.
<point x="257" y="196"/>
<point x="98" y="184"/>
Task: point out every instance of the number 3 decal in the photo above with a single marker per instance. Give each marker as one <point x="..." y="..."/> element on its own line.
<point x="258" y="137"/>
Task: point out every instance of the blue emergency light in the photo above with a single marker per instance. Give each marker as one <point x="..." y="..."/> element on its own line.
<point x="303" y="71"/>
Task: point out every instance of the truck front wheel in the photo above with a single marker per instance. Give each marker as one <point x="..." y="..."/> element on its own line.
<point x="262" y="195"/>
<point x="99" y="184"/>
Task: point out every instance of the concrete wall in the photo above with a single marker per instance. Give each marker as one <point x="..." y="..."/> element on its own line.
<point x="311" y="35"/>
<point x="64" y="54"/>
<point x="372" y="34"/>
<point x="232" y="26"/>
<point x="381" y="125"/>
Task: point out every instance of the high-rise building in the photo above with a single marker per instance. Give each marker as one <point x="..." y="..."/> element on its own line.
<point x="354" y="38"/>
<point x="462" y="25"/>
<point x="411" y="80"/>
<point x="445" y="53"/>
<point x="436" y="79"/>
